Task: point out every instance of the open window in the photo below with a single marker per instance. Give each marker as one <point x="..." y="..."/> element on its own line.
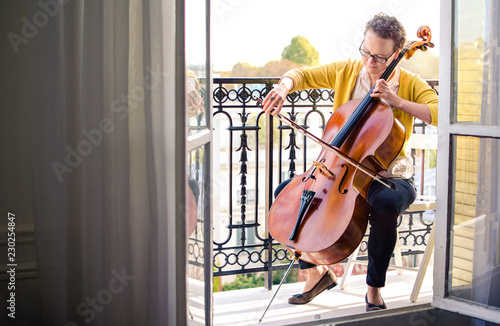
<point x="467" y="268"/>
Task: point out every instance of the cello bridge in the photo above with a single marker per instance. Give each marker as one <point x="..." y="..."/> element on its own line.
<point x="324" y="170"/>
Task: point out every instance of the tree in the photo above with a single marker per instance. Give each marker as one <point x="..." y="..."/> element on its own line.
<point x="278" y="68"/>
<point x="272" y="68"/>
<point x="301" y="51"/>
<point x="244" y="69"/>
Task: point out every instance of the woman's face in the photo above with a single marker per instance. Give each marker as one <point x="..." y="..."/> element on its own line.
<point x="379" y="47"/>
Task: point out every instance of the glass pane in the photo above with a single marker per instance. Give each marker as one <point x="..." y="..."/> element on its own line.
<point x="195" y="217"/>
<point x="476" y="62"/>
<point x="474" y="272"/>
<point x="196" y="65"/>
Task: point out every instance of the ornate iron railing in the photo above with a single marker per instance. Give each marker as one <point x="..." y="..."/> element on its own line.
<point x="242" y="243"/>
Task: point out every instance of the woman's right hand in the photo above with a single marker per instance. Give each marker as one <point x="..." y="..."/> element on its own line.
<point x="273" y="103"/>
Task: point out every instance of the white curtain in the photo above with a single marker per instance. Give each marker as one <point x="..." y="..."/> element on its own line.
<point x="98" y="148"/>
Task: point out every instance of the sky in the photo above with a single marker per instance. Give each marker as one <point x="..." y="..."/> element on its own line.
<point x="257" y="31"/>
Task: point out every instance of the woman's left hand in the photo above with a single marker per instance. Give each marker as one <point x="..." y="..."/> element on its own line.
<point x="385" y="93"/>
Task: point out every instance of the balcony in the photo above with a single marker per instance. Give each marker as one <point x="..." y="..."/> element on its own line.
<point x="246" y="307"/>
<point x="253" y="155"/>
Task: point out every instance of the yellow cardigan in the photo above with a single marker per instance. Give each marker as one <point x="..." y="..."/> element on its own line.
<point x="341" y="77"/>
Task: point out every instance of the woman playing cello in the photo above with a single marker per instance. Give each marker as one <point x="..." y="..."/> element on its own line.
<point x="410" y="97"/>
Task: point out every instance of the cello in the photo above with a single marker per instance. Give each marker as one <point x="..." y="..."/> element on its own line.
<point x="322" y="214"/>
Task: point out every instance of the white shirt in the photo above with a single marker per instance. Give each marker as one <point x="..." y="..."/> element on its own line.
<point x="401" y="166"/>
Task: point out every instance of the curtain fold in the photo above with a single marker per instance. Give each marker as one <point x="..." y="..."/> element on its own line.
<point x="97" y="140"/>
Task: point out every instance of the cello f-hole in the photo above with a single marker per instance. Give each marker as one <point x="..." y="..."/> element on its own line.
<point x="343" y="178"/>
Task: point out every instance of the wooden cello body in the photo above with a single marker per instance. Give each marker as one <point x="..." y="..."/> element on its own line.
<point x="335" y="221"/>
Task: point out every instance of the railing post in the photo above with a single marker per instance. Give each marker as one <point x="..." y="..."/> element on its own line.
<point x="268" y="276"/>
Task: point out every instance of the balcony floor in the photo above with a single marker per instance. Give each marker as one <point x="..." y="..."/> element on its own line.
<point x="245" y="307"/>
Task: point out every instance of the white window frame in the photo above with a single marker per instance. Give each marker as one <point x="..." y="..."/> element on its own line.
<point x="444" y="178"/>
<point x="202" y="139"/>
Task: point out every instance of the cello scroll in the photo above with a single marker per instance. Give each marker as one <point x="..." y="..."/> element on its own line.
<point x="423" y="32"/>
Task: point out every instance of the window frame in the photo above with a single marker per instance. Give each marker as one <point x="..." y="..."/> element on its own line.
<point x="445" y="179"/>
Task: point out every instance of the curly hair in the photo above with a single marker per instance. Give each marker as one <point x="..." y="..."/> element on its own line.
<point x="386" y="26"/>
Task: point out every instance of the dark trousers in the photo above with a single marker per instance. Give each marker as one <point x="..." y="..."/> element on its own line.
<point x="386" y="205"/>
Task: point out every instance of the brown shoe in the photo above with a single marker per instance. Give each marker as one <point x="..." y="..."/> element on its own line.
<point x="328" y="281"/>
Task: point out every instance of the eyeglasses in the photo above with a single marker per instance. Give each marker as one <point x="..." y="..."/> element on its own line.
<point x="377" y="58"/>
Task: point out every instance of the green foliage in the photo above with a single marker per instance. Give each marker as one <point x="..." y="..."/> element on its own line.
<point x="301" y="51"/>
<point x="292" y="277"/>
<point x="217" y="284"/>
<point x="244" y="282"/>
<point x="247" y="281"/>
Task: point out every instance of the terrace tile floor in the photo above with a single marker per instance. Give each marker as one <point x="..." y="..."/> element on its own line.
<point x="245" y="307"/>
